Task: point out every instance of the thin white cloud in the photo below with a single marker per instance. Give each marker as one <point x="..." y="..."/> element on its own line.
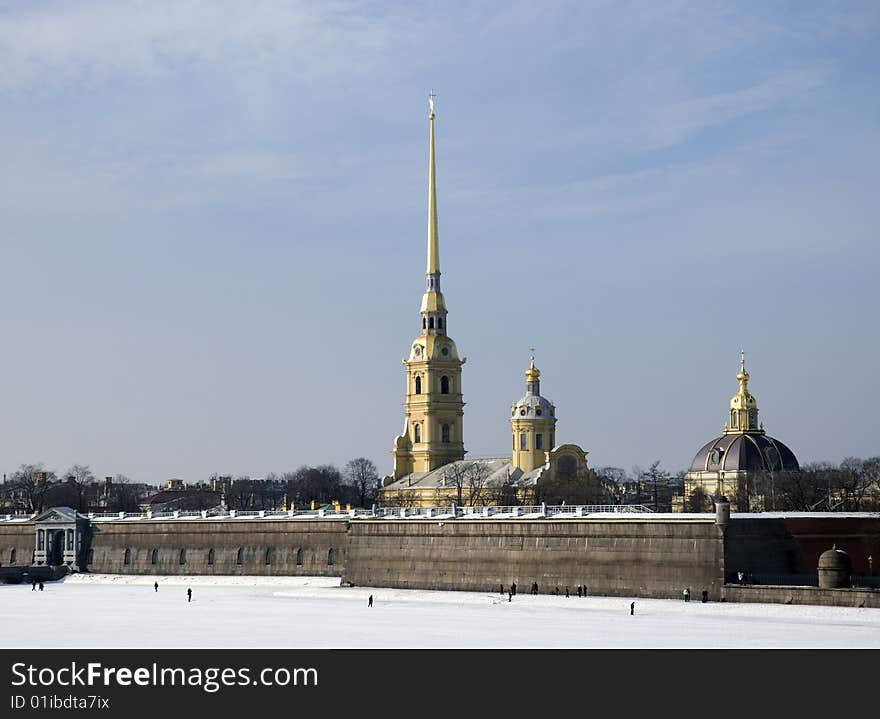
<point x="93" y="41"/>
<point x="676" y="122"/>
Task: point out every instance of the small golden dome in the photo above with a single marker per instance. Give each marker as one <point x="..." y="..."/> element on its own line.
<point x="532" y="373"/>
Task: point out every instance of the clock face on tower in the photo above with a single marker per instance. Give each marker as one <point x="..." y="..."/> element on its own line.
<point x="445" y="351"/>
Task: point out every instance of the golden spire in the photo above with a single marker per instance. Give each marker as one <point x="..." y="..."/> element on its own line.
<point x="433" y="241"/>
<point x="742" y="376"/>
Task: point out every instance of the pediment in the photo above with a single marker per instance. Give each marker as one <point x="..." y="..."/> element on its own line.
<point x="57" y="515"/>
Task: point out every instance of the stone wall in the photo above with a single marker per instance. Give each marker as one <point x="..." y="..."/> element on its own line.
<point x="804" y="595"/>
<point x="20" y="537"/>
<point x="647" y="558"/>
<point x="239" y="547"/>
<point x="792" y="545"/>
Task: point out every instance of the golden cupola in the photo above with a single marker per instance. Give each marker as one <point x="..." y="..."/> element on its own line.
<point x="533" y="424"/>
<point x="743" y="406"/>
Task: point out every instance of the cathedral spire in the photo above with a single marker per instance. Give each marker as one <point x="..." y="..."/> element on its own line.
<point x="433" y="240"/>
<point x="433" y="310"/>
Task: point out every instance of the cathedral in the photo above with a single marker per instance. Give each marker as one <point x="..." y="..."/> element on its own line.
<point x="430" y="468"/>
<point x="737" y="463"/>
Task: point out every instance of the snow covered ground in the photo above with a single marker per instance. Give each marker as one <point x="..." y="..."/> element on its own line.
<point x="109" y="611"/>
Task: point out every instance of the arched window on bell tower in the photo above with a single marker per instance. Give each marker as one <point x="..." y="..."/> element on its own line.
<point x="418" y="385"/>
<point x="417" y="433"/>
<point x="445" y="433"/>
<point x="444" y="385"/>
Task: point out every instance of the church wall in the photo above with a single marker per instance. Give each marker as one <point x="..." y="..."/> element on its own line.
<point x="283" y="537"/>
<point x="20" y="537"/>
<point x="615" y="558"/>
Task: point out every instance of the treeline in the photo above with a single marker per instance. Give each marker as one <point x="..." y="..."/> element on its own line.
<point x="356" y="484"/>
<point x="652" y="487"/>
<point x="851" y="486"/>
<point x="31" y="489"/>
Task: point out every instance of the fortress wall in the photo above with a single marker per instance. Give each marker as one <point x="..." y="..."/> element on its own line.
<point x="612" y="557"/>
<point x="857" y="536"/>
<point x="315" y="537"/>
<point x="792" y="545"/>
<point x="19" y="536"/>
<point x="804" y="595"/>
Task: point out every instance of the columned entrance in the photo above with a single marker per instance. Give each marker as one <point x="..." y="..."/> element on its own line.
<point x="61" y="532"/>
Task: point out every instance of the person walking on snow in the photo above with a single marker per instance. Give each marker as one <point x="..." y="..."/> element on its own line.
<point x="566" y="592"/>
<point x="155" y="586"/>
<point x="632" y="608"/>
<point x="189" y="595"/>
<point x="41" y="586"/>
<point x="370" y="601"/>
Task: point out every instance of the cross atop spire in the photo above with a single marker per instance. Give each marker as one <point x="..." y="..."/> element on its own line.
<point x="431" y="97"/>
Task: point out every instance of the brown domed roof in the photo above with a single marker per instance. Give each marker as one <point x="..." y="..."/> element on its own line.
<point x="744" y="452"/>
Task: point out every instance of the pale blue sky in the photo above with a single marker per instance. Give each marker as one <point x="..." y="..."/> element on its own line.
<point x="213" y="225"/>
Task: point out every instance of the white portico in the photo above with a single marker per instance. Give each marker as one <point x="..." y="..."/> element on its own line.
<point x="60" y="535"/>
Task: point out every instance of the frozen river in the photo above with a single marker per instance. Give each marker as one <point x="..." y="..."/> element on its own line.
<point x="295" y="612"/>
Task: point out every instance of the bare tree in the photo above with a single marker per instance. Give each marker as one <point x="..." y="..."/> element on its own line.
<point x="31" y="484"/>
<point x="613" y="483"/>
<point x="699" y="501"/>
<point x="361" y="475"/>
<point x="400" y="498"/>
<point x="468" y="481"/>
<point x="123" y="495"/>
<point x="656" y="481"/>
<point x="80" y="477"/>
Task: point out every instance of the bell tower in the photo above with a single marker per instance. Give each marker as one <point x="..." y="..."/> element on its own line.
<point x="432" y="434"/>
<point x="533" y="424"/>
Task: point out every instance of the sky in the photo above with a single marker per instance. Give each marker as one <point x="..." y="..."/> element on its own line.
<point x="213" y="226"/>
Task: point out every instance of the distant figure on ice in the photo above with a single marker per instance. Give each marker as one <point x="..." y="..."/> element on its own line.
<point x="535" y="588"/>
<point x="566" y="592"/>
<point x="33" y="585"/>
<point x="513" y="588"/>
<point x="705" y="596"/>
<point x="585" y="590"/>
<point x="155" y="586"/>
<point x="632" y="608"/>
<point x="501" y="589"/>
<point x="41" y="586"/>
<point x="579" y="590"/>
<point x="510" y="596"/>
<point x="370" y="601"/>
<point x="556" y="591"/>
<point x="189" y="595"/>
<point x="686" y="593"/>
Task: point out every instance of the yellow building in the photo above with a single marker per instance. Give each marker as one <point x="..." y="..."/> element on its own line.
<point x="533" y="421"/>
<point x="736" y="463"/>
<point x="429" y="464"/>
<point x="432" y="431"/>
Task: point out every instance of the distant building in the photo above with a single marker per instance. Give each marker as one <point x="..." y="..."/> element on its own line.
<point x="733" y="463"/>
